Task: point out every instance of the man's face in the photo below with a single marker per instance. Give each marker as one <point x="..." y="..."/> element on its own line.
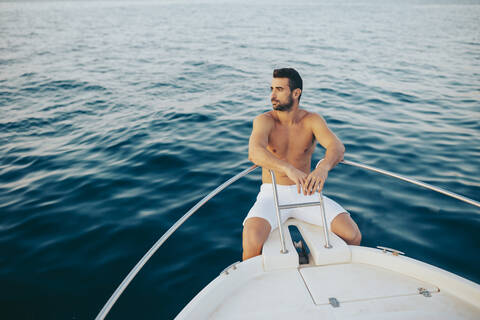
<point x="280" y="95"/>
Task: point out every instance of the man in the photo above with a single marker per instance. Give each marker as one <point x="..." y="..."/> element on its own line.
<point x="283" y="140"/>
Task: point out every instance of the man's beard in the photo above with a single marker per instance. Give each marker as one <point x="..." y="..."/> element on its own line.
<point x="285" y="106"/>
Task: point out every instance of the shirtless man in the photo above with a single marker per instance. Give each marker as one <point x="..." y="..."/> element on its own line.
<point x="284" y="140"/>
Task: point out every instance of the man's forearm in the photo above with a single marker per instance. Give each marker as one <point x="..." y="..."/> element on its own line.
<point x="264" y="158"/>
<point x="333" y="155"/>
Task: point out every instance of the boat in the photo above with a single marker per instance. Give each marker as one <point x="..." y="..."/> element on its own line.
<point x="308" y="272"/>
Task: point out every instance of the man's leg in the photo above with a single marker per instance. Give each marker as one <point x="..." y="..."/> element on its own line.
<point x="344" y="227"/>
<point x="255" y="233"/>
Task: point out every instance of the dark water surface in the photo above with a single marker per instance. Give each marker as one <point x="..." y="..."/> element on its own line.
<point x="117" y="117"/>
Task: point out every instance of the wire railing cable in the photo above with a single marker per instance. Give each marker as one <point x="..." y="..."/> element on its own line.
<point x="106" y="309"/>
<point x="416" y="182"/>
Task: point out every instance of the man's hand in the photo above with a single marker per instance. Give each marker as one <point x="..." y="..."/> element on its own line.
<point x="296" y="176"/>
<point x="315" y="180"/>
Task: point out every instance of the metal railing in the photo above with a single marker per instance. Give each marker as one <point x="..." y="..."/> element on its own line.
<point x="279" y="207"/>
<point x="106" y="309"/>
<point x="413" y="181"/>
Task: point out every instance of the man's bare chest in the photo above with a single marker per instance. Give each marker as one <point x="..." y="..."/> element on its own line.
<point x="291" y="143"/>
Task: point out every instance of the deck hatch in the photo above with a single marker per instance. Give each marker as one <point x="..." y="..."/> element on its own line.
<point x="355" y="282"/>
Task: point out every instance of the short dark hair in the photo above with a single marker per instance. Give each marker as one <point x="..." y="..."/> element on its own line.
<point x="294" y="79"/>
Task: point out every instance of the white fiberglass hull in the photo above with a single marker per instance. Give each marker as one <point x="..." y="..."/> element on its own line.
<point x="346" y="282"/>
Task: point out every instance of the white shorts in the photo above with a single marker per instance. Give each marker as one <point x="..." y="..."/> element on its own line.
<point x="264" y="207"/>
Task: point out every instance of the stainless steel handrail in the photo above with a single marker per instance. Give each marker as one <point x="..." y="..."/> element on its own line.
<point x="278" y="207"/>
<point x="103" y="313"/>
<point x="325" y="223"/>
<point x="413" y="181"/>
<point x="300" y="205"/>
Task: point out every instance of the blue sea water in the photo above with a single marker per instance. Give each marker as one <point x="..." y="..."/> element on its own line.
<point x="118" y="116"/>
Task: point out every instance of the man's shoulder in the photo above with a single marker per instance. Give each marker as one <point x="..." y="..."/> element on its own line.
<point x="263" y="123"/>
<point x="265" y="117"/>
<point x="312" y="117"/>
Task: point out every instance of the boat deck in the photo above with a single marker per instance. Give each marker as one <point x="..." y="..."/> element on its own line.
<point x="352" y="283"/>
<point x="300" y="295"/>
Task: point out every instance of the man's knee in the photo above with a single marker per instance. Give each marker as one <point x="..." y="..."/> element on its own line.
<point x="353" y="238"/>
<point x="255" y="233"/>
<point x="344" y="226"/>
<point x="253" y="239"/>
<point x="252" y="244"/>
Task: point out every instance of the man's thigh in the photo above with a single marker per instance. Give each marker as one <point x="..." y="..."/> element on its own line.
<point x="263" y="208"/>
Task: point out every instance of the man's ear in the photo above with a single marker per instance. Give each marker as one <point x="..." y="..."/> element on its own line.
<point x="297" y="92"/>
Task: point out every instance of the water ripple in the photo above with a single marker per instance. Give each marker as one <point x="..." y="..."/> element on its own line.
<point x="117" y="117"/>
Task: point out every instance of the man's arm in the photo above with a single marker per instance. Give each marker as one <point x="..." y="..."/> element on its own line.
<point x="261" y="156"/>
<point x="333" y="154"/>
